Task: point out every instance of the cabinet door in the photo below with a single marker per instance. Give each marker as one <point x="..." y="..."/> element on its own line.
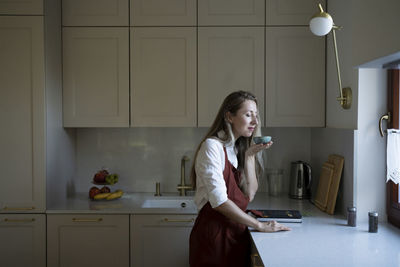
<point x="22" y="114"/>
<point x="160" y="240"/>
<point x="163" y="13"/>
<point x="87" y="240"/>
<point x="23" y="240"/>
<point x="95" y="12"/>
<point x="255" y="257"/>
<point x="96" y="77"/>
<point x="163" y="77"/>
<point x="230" y="59"/>
<point x="21" y="7"/>
<point x="291" y="12"/>
<point x="231" y="12"/>
<point x="295" y="78"/>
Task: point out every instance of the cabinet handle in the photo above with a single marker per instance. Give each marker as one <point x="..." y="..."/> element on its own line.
<point x="182" y="221"/>
<point x="19" y="220"/>
<point x="255" y="259"/>
<point x="21" y="208"/>
<point x="87" y="220"/>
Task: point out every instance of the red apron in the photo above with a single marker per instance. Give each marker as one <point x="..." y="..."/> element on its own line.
<point x="216" y="240"/>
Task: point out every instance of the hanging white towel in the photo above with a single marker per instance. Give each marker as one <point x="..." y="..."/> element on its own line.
<point x="393" y="155"/>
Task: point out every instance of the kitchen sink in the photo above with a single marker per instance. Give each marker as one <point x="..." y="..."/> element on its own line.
<point x="169" y="203"/>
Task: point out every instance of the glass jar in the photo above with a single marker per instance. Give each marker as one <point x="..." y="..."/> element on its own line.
<point x="372" y="222"/>
<point x="352" y="216"/>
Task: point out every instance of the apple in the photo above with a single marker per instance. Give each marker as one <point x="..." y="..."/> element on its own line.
<point x="94" y="191"/>
<point x="105" y="189"/>
<point x="100" y="176"/>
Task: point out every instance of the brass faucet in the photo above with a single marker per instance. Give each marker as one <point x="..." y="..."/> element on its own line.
<point x="183" y="187"/>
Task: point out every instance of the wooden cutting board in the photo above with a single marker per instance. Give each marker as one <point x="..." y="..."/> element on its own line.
<point x="338" y="162"/>
<point x="324" y="184"/>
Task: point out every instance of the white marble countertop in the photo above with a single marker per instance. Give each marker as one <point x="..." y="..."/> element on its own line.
<point x="324" y="240"/>
<point x="129" y="203"/>
<point x="320" y="240"/>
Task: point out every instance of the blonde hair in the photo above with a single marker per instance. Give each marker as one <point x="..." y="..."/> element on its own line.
<point x="232" y="103"/>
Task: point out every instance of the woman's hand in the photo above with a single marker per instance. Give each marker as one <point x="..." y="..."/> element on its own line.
<point x="255" y="148"/>
<point x="271" y="226"/>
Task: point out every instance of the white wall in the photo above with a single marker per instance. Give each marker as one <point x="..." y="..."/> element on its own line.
<point x="60" y="146"/>
<point x="370" y="193"/>
<point x="143" y="156"/>
<point x="369" y="33"/>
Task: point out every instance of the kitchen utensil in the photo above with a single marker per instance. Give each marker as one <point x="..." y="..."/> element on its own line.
<point x="262" y="139"/>
<point x="338" y="162"/>
<point x="324" y="184"/>
<point x="300" y="180"/>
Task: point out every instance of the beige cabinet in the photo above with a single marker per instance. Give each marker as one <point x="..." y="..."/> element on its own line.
<point x="160" y="240"/>
<point x="96" y="77"/>
<point x="21" y="7"/>
<point x="255" y="258"/>
<point x="291" y="12"/>
<point x="163" y="13"/>
<point x="228" y="12"/>
<point x="22" y="114"/>
<point x="77" y="240"/>
<point x="229" y="59"/>
<point x="295" y="78"/>
<point x="95" y="12"/>
<point x="23" y="240"/>
<point x="163" y="76"/>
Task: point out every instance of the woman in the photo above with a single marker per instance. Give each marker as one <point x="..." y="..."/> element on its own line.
<point x="224" y="173"/>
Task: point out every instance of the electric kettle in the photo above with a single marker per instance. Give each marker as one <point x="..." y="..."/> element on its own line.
<point x="300" y="180"/>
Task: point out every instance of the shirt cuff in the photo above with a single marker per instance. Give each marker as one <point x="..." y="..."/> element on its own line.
<point x="217" y="197"/>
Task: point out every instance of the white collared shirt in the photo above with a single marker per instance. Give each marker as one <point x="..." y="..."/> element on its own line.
<point x="209" y="167"/>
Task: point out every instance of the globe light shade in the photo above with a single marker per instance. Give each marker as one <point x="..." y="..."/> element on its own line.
<point x="321" y="25"/>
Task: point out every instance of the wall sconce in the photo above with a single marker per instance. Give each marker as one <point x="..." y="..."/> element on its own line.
<point x="321" y="24"/>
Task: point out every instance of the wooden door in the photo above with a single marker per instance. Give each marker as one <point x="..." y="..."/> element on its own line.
<point x="230" y="59"/>
<point x="163" y="76"/>
<point x="22" y="114"/>
<point x="23" y="240"/>
<point x="160" y="240"/>
<point x="87" y="240"/>
<point x="392" y="194"/>
<point x="96" y="77"/>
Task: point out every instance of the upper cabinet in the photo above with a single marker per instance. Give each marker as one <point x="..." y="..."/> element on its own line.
<point x="22" y="114"/>
<point x="291" y="12"/>
<point x="295" y="78"/>
<point x="95" y="12"/>
<point x="21" y="7"/>
<point x="231" y="12"/>
<point x="163" y="76"/>
<point x="163" y="13"/>
<point x="230" y="59"/>
<point x="96" y="77"/>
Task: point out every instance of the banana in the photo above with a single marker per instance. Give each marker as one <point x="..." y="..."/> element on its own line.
<point x="116" y="194"/>
<point x="101" y="196"/>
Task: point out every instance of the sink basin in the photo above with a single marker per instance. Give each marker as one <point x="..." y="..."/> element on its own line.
<point x="169" y="203"/>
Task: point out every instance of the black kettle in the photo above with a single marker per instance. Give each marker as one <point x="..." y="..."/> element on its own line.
<point x="300" y="180"/>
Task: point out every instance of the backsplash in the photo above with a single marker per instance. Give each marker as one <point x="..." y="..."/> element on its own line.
<point x="144" y="156"/>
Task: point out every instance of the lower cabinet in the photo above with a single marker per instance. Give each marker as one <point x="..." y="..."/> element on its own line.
<point x="77" y="240"/>
<point x="23" y="240"/>
<point x="255" y="257"/>
<point x="160" y="240"/>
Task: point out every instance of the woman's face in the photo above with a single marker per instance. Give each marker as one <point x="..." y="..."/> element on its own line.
<point x="245" y="120"/>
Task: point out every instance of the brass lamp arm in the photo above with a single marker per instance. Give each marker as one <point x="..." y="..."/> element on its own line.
<point x="345" y="97"/>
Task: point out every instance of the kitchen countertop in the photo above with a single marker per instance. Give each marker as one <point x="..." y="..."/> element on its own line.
<point x="324" y="240"/>
<point x="129" y="203"/>
<point x="320" y="240"/>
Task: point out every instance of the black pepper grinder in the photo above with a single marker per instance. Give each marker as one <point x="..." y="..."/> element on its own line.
<point x="372" y="222"/>
<point x="352" y="216"/>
